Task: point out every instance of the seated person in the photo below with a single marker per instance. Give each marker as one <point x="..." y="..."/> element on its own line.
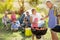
<point x="21" y="18"/>
<point x="26" y="21"/>
<point x="13" y="16"/>
<point x="15" y="25"/>
<point x="5" y="20"/>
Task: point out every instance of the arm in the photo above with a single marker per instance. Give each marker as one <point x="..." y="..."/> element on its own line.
<point x="3" y="20"/>
<point x="44" y="17"/>
<point x="31" y="19"/>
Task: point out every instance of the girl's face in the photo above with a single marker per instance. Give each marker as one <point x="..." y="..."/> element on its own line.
<point x="34" y="12"/>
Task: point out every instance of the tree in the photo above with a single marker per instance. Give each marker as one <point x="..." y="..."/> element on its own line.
<point x="21" y="3"/>
<point x="34" y="2"/>
<point x="5" y="5"/>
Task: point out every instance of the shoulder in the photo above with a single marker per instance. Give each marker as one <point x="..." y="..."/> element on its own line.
<point x="55" y="7"/>
<point x="38" y="14"/>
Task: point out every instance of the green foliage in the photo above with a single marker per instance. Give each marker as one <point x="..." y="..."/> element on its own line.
<point x="35" y="2"/>
<point x="7" y="4"/>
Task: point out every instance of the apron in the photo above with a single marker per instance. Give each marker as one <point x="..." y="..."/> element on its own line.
<point x="52" y="19"/>
<point x="35" y="24"/>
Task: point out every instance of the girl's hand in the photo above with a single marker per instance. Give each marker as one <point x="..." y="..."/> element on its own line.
<point x="43" y="18"/>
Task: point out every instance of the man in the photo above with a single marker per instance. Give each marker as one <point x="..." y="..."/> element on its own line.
<point x="28" y="19"/>
<point x="21" y="18"/>
<point x="52" y="18"/>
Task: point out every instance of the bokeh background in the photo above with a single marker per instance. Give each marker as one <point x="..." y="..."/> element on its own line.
<point x="24" y="5"/>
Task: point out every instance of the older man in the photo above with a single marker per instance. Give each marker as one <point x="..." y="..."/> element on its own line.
<point x="52" y="18"/>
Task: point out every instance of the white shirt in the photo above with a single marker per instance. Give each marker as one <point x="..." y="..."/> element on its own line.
<point x="37" y="16"/>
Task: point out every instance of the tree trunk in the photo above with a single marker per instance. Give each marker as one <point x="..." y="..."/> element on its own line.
<point x="21" y="3"/>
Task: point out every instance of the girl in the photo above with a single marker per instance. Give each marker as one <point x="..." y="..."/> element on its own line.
<point x="36" y="21"/>
<point x="13" y="16"/>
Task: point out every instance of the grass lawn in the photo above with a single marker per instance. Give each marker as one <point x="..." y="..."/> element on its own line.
<point x="9" y="35"/>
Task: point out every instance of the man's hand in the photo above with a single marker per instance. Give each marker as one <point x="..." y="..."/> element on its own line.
<point x="58" y="15"/>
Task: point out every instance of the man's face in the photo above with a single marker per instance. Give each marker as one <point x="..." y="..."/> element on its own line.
<point x="49" y="5"/>
<point x="27" y="14"/>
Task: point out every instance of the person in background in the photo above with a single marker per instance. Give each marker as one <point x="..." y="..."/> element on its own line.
<point x="5" y="20"/>
<point x="13" y="16"/>
<point x="28" y="19"/>
<point x="15" y="25"/>
<point x="22" y="15"/>
<point x="21" y="19"/>
<point x="52" y="18"/>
